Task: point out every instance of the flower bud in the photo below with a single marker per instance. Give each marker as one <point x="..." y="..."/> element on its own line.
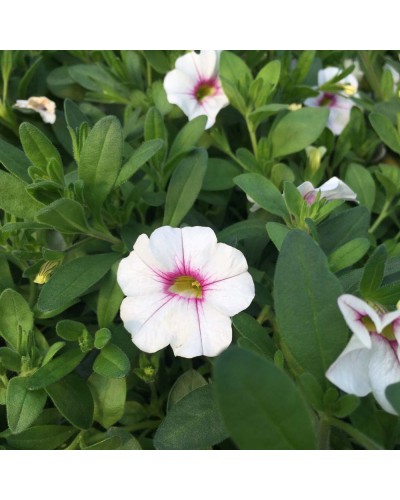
<point x="45" y="272"/>
<point x="294" y="106"/>
<point x="315" y="156"/>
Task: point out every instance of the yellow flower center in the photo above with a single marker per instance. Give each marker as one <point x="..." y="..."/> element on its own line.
<point x="187" y="286"/>
<point x="204" y="90"/>
<point x="387" y="332"/>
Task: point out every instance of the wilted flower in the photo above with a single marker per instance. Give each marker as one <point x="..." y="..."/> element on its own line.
<point x="371" y="360"/>
<point x="195" y="87"/>
<point x="339" y="105"/>
<point x="42" y="105"/>
<point x="182" y="287"/>
<point x="332" y="189"/>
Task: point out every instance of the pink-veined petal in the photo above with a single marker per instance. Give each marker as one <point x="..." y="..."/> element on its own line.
<point x="136" y="278"/>
<point x="208" y="63"/>
<point x="190" y="64"/>
<point x="186" y="340"/>
<point x="384" y="370"/>
<point x="350" y="371"/>
<point x="198" y="245"/>
<point x="225" y="262"/>
<point x="232" y="295"/>
<point x="166" y="246"/>
<point x="212" y="105"/>
<point x="338" y="118"/>
<point x="145" y="318"/>
<point x="215" y="329"/>
<point x="353" y="310"/>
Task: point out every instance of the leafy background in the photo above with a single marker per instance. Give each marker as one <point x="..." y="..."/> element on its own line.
<point x="121" y="161"/>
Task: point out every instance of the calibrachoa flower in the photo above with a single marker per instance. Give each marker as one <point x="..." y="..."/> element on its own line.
<point x="195" y="87"/>
<point x="42" y="105"/>
<point x="182" y="287"/>
<point x="339" y="105"/>
<point x="371" y="360"/>
<point x="333" y="189"/>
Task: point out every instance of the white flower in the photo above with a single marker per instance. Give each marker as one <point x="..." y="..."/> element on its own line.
<point x="42" y="105"/>
<point x="339" y="105"/>
<point x="395" y="75"/>
<point x="371" y="360"/>
<point x="332" y="189"/>
<point x="195" y="86"/>
<point x="182" y="287"/>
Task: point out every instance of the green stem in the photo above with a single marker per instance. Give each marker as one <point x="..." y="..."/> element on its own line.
<point x="106" y="237"/>
<point x="148" y="74"/>
<point x="384" y="213"/>
<point x="324" y="434"/>
<point x="147" y="424"/>
<point x="358" y="436"/>
<point x="253" y="137"/>
<point x="370" y="73"/>
<point x="75" y="443"/>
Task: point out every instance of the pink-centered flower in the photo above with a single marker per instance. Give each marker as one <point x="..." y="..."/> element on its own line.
<point x="339" y="105"/>
<point x="195" y="87"/>
<point x="181" y="288"/>
<point x="371" y="360"/>
<point x="332" y="189"/>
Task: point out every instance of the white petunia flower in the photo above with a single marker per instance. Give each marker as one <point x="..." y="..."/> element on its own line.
<point x="339" y="105"/>
<point x="42" y="105"/>
<point x="181" y="289"/>
<point x="195" y="87"/>
<point x="371" y="360"/>
<point x="332" y="189"/>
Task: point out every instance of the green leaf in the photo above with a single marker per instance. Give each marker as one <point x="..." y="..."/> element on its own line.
<point x="15" y="317"/>
<point x="264" y="112"/>
<point x="109" y="298"/>
<point x="297" y="130"/>
<point x="15" y="199"/>
<point x="193" y="423"/>
<point x="52" y="351"/>
<point x="23" y="406"/>
<point x="38" y="147"/>
<point x="41" y="437"/>
<point x="128" y="442"/>
<point x="311" y="326"/>
<point x="73" y="399"/>
<point x="373" y="271"/>
<point x="70" y="330"/>
<point x="109" y="396"/>
<point x="112" y="362"/>
<point x="100" y="160"/>
<point x="348" y="254"/>
<point x="10" y="359"/>
<point x="260" y="404"/>
<point x="143" y="154"/>
<point x="219" y="175"/>
<point x="361" y="182"/>
<point x="187" y="137"/>
<point x="254" y="333"/>
<point x="14" y="160"/>
<point x="73" y="279"/>
<point x="263" y="192"/>
<point x="392" y="392"/>
<point x="386" y="131"/>
<point x="102" y="338"/>
<point x="158" y="60"/>
<point x="73" y="115"/>
<point x="154" y="128"/>
<point x="56" y="369"/>
<point x="343" y="227"/>
<point x="184" y="186"/>
<point x="109" y="443"/>
<point x="251" y="228"/>
<point x="65" y="215"/>
<point x="186" y="383"/>
<point x="277" y="233"/>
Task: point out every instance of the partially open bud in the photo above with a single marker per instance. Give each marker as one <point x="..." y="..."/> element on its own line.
<point x="315" y="156"/>
<point x="45" y="272"/>
<point x="294" y="106"/>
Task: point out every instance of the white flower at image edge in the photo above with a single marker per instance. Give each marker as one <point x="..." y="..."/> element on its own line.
<point x="42" y="105"/>
<point x="332" y="189"/>
<point x="195" y="87"/>
<point x="181" y="288"/>
<point x="339" y="105"/>
<point x="371" y="360"/>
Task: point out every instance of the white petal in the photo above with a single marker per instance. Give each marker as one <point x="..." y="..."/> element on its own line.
<point x="226" y="262"/>
<point x="305" y="188"/>
<point x="325" y="75"/>
<point x="312" y="102"/>
<point x="21" y="104"/>
<point x="166" y="246"/>
<point x="48" y="116"/>
<point x="212" y="105"/>
<point x="339" y="117"/>
<point x="335" y="189"/>
<point x="143" y="249"/>
<point x="136" y="278"/>
<point x="232" y="295"/>
<point x="186" y="339"/>
<point x="179" y="88"/>
<point x="198" y="66"/>
<point x="208" y="62"/>
<point x="350" y="371"/>
<point x="145" y="318"/>
<point x="215" y="329"/>
<point x="384" y="370"/>
<point x="350" y="80"/>
<point x="353" y="310"/>
<point x="198" y="244"/>
<point x="390" y="318"/>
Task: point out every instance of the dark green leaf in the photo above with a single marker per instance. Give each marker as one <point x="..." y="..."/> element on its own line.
<point x="373" y="271"/>
<point x="386" y="130"/>
<point x="109" y="396"/>
<point x="187" y="137"/>
<point x="41" y="437"/>
<point x="219" y="175"/>
<point x="348" y="254"/>
<point x="361" y="182"/>
<point x="38" y="147"/>
<point x="242" y="230"/>
<point x="109" y="298"/>
<point x="186" y="383"/>
<point x="23" y="406"/>
<point x="14" y="160"/>
<point x="15" y="316"/>
<point x="15" y="199"/>
<point x="65" y="215"/>
<point x="253" y="332"/>
<point x="70" y="330"/>
<point x="112" y="362"/>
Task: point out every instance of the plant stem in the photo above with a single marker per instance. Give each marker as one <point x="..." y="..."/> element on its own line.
<point x="381" y="216"/>
<point x="324" y="434"/>
<point x="253" y="137"/>
<point x="358" y="436"/>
